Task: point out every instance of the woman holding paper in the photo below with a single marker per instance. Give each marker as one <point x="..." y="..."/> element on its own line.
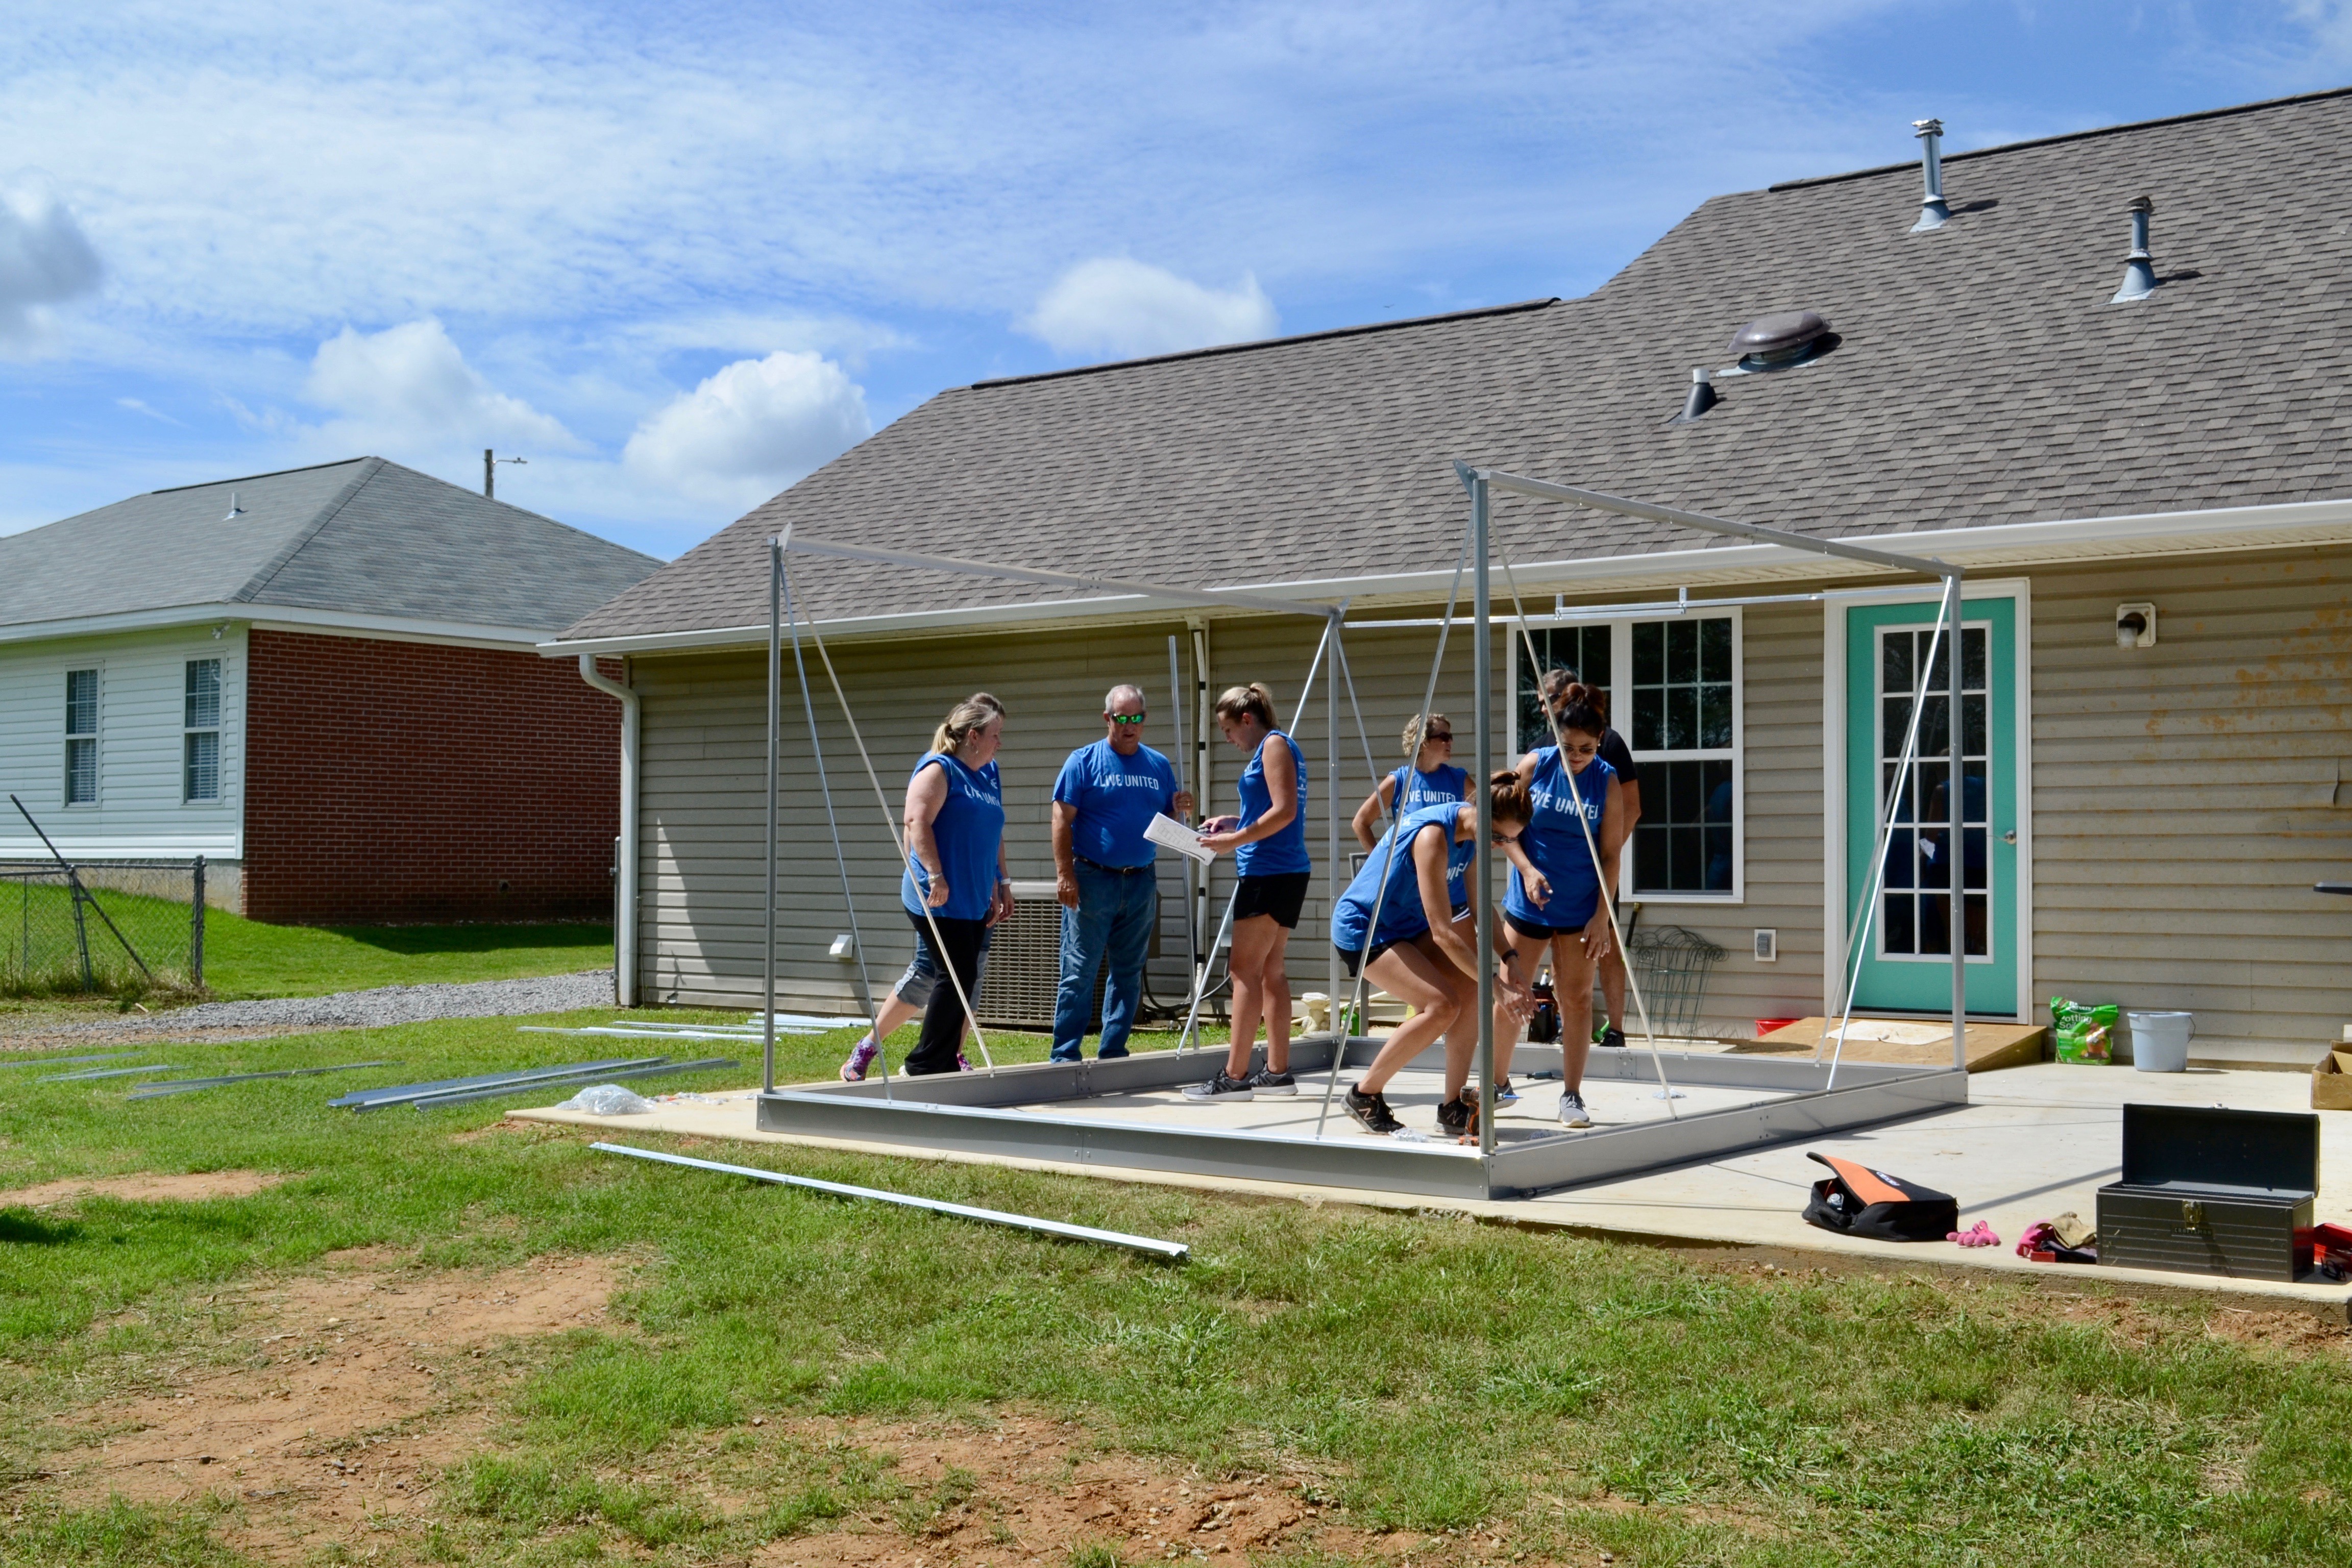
<point x="1268" y="844"/>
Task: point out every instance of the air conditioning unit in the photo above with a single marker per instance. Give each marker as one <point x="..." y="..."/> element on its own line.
<point x="1025" y="966"/>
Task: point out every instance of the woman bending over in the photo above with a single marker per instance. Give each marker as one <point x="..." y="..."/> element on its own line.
<point x="1420" y="953"/>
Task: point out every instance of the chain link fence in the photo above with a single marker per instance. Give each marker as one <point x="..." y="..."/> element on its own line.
<point x="105" y="925"/>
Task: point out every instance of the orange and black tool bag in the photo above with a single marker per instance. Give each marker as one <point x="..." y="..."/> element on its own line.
<point x="1858" y="1201"/>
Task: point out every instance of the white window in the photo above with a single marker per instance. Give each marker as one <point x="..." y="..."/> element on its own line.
<point x="200" y="741"/>
<point x="1673" y="689"/>
<point x="82" y="737"/>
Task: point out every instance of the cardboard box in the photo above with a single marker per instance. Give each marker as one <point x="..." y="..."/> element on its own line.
<point x="2331" y="1085"/>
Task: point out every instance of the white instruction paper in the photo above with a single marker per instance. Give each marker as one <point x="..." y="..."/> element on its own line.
<point x="1165" y="829"/>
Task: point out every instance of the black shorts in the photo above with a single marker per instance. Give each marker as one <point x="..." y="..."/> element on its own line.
<point x="1282" y="895"/>
<point x="1535" y="931"/>
<point x="1355" y="961"/>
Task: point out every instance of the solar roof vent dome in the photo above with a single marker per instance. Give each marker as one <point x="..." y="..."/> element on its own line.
<point x="1781" y="341"/>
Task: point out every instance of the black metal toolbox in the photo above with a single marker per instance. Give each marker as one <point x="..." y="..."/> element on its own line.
<point x="2213" y="1191"/>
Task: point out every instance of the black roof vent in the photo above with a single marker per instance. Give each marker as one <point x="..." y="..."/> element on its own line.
<point x="1781" y="341"/>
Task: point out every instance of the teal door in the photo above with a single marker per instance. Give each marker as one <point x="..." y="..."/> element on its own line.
<point x="1905" y="964"/>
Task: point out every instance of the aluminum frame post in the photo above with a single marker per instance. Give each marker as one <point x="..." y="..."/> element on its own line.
<point x="1482" y="657"/>
<point x="775" y="698"/>
<point x="1192" y="867"/>
<point x="1334" y="884"/>
<point x="1956" y="795"/>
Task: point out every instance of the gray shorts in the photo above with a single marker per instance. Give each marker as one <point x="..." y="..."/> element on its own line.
<point x="922" y="976"/>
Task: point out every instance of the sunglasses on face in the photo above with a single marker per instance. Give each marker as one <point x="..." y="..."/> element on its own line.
<point x="1129" y="718"/>
<point x="1445" y="735"/>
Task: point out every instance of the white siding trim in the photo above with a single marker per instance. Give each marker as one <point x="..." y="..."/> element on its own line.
<point x="284" y="618"/>
<point x="1834" y="892"/>
<point x="2003" y="544"/>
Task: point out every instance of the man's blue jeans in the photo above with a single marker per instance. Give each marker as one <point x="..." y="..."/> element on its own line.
<point x="1113" y="920"/>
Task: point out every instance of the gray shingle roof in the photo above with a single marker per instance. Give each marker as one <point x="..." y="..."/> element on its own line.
<point x="1983" y="378"/>
<point x="365" y="536"/>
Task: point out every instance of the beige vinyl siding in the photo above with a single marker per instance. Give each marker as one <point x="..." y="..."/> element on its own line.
<point x="2185" y="796"/>
<point x="703" y="741"/>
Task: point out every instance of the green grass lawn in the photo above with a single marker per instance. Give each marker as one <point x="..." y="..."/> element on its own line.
<point x="245" y="958"/>
<point x="1430" y="1375"/>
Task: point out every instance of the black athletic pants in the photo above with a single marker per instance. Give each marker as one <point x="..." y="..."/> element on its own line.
<point x="935" y="1048"/>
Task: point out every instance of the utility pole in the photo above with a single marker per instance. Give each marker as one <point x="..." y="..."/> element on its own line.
<point x="491" y="461"/>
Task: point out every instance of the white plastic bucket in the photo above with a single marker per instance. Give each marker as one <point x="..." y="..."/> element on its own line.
<point x="2159" y="1041"/>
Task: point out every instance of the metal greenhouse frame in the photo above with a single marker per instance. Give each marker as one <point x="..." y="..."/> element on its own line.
<point x="982" y="1113"/>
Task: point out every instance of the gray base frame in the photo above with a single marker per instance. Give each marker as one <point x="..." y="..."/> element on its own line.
<point x="983" y="1113"/>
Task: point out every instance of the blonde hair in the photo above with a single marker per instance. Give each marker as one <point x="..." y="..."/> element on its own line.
<point x="1416" y="731"/>
<point x="1251" y="701"/>
<point x="976" y="711"/>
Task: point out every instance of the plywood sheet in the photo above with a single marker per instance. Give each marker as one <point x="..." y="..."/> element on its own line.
<point x="1914" y="1042"/>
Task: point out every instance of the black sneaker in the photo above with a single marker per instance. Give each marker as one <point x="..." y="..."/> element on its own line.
<point x="1265" y="1080"/>
<point x="1371" y="1112"/>
<point x="1459" y="1118"/>
<point x="1219" y="1087"/>
<point x="1613" y="1036"/>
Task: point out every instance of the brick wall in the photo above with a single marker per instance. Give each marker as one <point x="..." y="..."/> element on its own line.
<point x="404" y="782"/>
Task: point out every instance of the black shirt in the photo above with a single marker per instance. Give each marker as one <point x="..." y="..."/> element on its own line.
<point x="1620" y="756"/>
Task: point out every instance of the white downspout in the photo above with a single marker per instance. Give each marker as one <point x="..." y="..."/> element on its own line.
<point x="625" y="918"/>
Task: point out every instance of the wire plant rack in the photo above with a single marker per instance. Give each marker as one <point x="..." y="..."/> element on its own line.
<point x="1674" y="964"/>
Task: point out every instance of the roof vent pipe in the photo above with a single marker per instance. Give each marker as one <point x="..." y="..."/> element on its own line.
<point x="1702" y="398"/>
<point x="2140" y="266"/>
<point x="1933" y="213"/>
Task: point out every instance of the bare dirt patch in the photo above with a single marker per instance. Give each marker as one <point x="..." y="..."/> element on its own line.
<point x="1025" y="1489"/>
<point x="359" y="1385"/>
<point x="146" y="1187"/>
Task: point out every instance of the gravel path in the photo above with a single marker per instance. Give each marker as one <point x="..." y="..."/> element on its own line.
<point x="376" y="1009"/>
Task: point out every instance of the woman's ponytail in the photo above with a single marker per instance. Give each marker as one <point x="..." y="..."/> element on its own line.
<point x="1508" y="799"/>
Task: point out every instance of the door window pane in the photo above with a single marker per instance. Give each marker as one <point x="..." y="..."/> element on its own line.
<point x="1914" y="909"/>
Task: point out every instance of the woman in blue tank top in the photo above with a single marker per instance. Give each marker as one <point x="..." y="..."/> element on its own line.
<point x="1568" y="853"/>
<point x="1268" y="841"/>
<point x="955" y="885"/>
<point x="1395" y="924"/>
<point x="1429" y="779"/>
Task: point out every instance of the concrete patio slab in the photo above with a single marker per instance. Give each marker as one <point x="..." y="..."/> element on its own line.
<point x="2034" y="1141"/>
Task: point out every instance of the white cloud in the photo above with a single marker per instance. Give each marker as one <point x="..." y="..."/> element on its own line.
<point x="45" y="259"/>
<point x="1116" y="306"/>
<point x="752" y="429"/>
<point x="409" y="386"/>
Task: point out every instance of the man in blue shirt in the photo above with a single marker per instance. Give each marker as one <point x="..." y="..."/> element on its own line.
<point x="1103" y="871"/>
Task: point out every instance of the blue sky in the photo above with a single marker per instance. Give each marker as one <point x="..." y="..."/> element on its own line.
<point x="678" y="256"/>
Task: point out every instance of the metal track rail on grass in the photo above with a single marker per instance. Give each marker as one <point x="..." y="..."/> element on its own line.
<point x="402" y="1094"/>
<point x="188" y="1084"/>
<point x="1171" y="1251"/>
<point x="501" y="1091"/>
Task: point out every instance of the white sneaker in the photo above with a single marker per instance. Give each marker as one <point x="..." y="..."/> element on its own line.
<point x="1571" y="1110"/>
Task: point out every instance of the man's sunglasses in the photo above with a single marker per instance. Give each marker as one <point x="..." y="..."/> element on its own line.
<point x="1129" y="718"/>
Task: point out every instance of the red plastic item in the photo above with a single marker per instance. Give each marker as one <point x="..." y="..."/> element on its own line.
<point x="1767" y="1026"/>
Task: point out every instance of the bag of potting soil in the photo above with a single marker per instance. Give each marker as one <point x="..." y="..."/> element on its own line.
<point x="1858" y="1201"/>
<point x="2085" y="1035"/>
